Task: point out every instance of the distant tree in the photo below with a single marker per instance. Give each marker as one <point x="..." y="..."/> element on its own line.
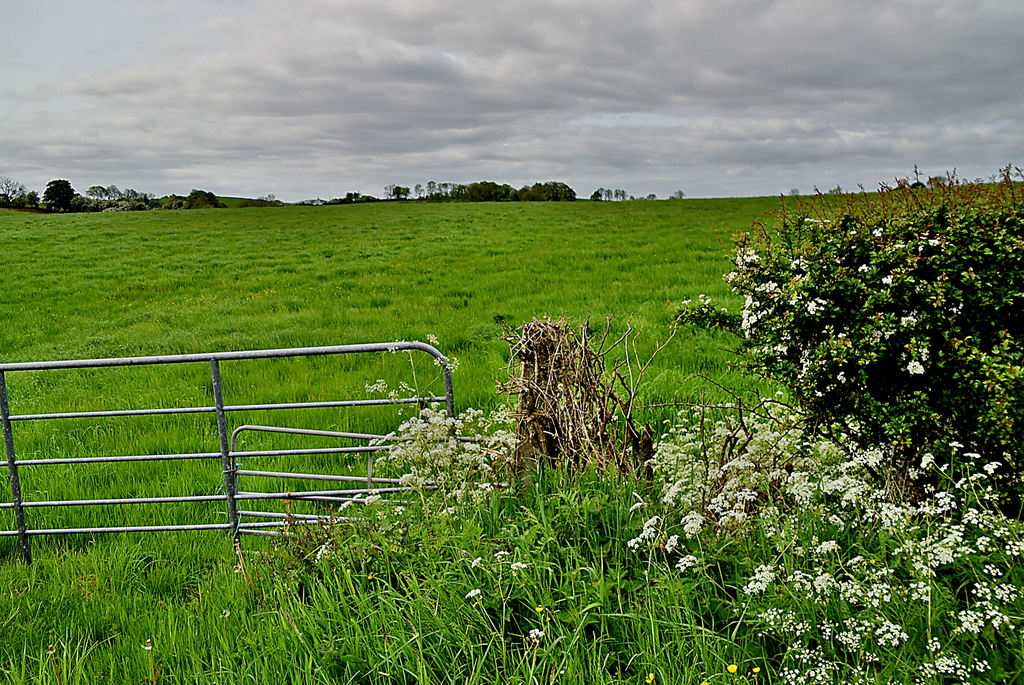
<point x="58" y="195"/>
<point x="678" y="195"/>
<point x="552" y="191"/>
<point x="132" y="200"/>
<point x="431" y="188"/>
<point x="652" y="196"/>
<point x="489" y="191"/>
<point x="597" y="195"/>
<point x="81" y="203"/>
<point x="396" y="192"/>
<point x="793" y="192"/>
<point x="97" y="192"/>
<point x="9" y="191"/>
<point x="418" y="189"/>
<point x="29" y="200"/>
<point x="202" y="199"/>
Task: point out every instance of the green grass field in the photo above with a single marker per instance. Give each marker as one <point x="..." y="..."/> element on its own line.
<point x="168" y="282"/>
<point x="132" y="284"/>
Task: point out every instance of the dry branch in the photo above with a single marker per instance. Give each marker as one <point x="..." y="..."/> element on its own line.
<point x="569" y="399"/>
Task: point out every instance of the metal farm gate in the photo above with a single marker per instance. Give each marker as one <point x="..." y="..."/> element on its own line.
<point x="226" y="454"/>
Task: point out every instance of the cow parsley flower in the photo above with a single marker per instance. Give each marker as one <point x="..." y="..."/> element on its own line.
<point x="648" y="534"/>
<point x="686" y="563"/>
<point x="759" y="582"/>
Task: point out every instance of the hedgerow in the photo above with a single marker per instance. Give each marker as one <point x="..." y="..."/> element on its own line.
<point x="895" y="318"/>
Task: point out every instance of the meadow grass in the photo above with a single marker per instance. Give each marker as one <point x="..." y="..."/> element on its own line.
<point x="167" y="282"/>
<point x="744" y="573"/>
<point x="133" y="284"/>
<point x="749" y="555"/>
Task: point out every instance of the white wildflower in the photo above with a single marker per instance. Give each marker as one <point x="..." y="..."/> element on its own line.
<point x="971" y="621"/>
<point x="648" y="534"/>
<point x="826" y="547"/>
<point x="692" y="523"/>
<point x="759" y="582"/>
<point x="890" y="635"/>
<point x="686" y="563"/>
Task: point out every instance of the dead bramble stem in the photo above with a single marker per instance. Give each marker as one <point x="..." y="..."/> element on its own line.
<point x="569" y="398"/>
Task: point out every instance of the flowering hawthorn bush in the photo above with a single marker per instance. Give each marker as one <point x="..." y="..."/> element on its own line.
<point x="897" y="318"/>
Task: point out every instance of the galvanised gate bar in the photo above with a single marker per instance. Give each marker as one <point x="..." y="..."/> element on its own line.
<point x="227" y="448"/>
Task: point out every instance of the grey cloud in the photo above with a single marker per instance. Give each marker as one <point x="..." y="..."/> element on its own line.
<point x="328" y="96"/>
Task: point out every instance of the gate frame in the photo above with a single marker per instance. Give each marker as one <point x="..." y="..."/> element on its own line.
<point x="227" y="445"/>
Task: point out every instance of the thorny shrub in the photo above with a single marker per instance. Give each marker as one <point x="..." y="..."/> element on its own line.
<point x="896" y="317"/>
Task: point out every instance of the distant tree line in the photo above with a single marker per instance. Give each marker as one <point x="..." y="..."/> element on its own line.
<point x="268" y="200"/>
<point x="60" y="196"/>
<point x="15" y="195"/>
<point x="348" y="199"/>
<point x="197" y="199"/>
<point x="620" y="195"/>
<point x="480" y="191"/>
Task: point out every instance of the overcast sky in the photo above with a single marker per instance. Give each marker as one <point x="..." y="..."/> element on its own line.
<point x="320" y="97"/>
